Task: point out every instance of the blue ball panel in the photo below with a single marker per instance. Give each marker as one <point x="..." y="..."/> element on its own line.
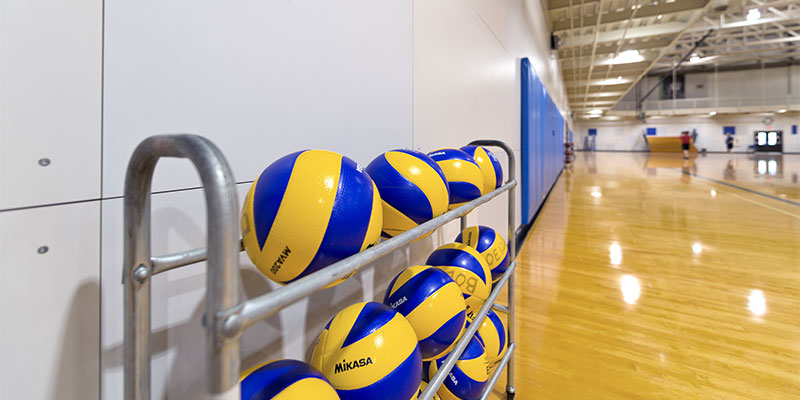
<point x="498" y="171"/>
<point x="371" y="318"/>
<point x="458" y="258"/>
<point x="395" y="383"/>
<point x="440" y="340"/>
<point x="462" y="192"/>
<point x="398" y="191"/>
<point x="498" y="325"/>
<point x="417" y="289"/>
<point x="474" y="349"/>
<point x="271" y="379"/>
<point x="449" y="154"/>
<point x="424" y="157"/>
<point x="468" y="387"/>
<point x="268" y="194"/>
<point x="486" y="238"/>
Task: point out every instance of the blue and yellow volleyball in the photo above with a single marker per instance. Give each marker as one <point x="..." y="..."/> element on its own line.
<point x="466" y="266"/>
<point x="308" y="210"/>
<point x="492" y="334"/>
<point x="369" y="351"/>
<point x="464" y="176"/>
<point x="432" y="303"/>
<point x="490" y="167"/>
<point x="490" y="245"/>
<point x="469" y="376"/>
<point x="285" y="380"/>
<point x="412" y="187"/>
<point x="422" y="387"/>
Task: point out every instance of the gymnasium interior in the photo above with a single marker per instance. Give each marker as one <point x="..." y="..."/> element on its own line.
<point x="399" y="199"/>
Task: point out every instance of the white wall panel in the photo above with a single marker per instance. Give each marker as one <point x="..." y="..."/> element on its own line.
<point x="259" y="78"/>
<point x="467" y="79"/>
<point x="49" y="302"/>
<point x="178" y="361"/>
<point x="50" y="54"/>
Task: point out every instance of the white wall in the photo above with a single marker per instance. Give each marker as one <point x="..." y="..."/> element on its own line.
<point x="626" y="135"/>
<point x="50" y="64"/>
<point x="261" y="79"/>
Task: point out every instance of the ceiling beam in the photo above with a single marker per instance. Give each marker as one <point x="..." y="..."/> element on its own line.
<point x="696" y="15"/>
<point x="743" y="24"/>
<point x="596" y="89"/>
<point x="726" y="68"/>
<point x="612" y="48"/>
<point x="643" y="12"/>
<point x="597" y="94"/>
<point x="617" y="69"/>
<point x="668" y="28"/>
<point x="559" y="4"/>
<point x="725" y="47"/>
<point x="725" y="37"/>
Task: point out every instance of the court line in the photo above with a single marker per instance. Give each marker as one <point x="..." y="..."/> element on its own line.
<point x="794" y="203"/>
<point x="762" y="204"/>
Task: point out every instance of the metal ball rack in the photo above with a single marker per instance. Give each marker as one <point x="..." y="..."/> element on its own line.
<point x="226" y="316"/>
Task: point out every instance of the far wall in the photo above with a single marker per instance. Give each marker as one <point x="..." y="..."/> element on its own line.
<point x="626" y="135"/>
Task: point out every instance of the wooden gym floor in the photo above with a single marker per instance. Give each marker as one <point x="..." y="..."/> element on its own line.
<point x="654" y="278"/>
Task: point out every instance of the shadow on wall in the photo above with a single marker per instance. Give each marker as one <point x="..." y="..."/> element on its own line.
<point x="290" y="333"/>
<point x="79" y="362"/>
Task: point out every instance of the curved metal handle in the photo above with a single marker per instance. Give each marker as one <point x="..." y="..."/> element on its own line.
<point x="222" y="279"/>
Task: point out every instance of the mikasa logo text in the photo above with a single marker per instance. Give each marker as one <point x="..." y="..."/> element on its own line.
<point x="346" y="366"/>
<point x="276" y="266"/>
<point x="398" y="302"/>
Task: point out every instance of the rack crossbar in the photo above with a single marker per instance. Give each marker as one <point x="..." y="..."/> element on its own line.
<point x="462" y="343"/>
<point x="498" y="370"/>
<point x="259" y="308"/>
<point x="171" y="261"/>
<point x="500" y="308"/>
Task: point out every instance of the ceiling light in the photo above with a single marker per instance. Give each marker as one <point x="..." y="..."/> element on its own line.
<point x="694" y="59"/>
<point x="591" y="116"/>
<point x="659" y="16"/>
<point x="713" y="113"/>
<point x="627" y="56"/>
<point x="596" y="111"/>
<point x="619" y="78"/>
<point x="782" y="110"/>
<point x="753" y="14"/>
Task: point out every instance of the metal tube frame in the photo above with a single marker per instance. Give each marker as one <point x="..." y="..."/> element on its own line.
<point x="230" y="317"/>
<point x="222" y="277"/>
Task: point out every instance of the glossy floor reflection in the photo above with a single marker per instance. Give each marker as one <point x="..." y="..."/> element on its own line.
<point x="655" y="278"/>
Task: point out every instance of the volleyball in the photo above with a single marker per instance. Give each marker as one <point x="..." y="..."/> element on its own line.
<point x="412" y="187"/>
<point x="490" y="167"/>
<point x="369" y="351"/>
<point x="492" y="334"/>
<point x="469" y="376"/>
<point x="285" y="380"/>
<point x="466" y="266"/>
<point x="463" y="175"/>
<point x="308" y="210"/>
<point x="432" y="303"/>
<point x="490" y="245"/>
